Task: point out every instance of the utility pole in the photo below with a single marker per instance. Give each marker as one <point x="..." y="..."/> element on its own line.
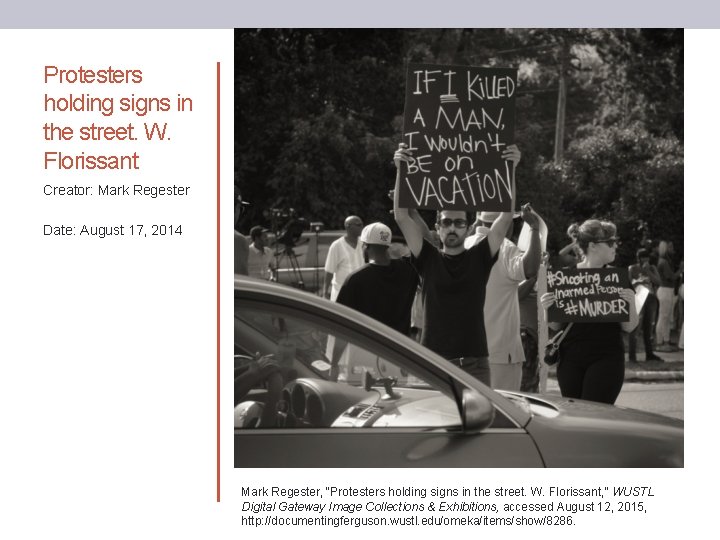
<point x="542" y="327"/>
<point x="562" y="98"/>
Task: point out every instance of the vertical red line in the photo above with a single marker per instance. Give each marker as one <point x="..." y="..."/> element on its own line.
<point x="217" y="286"/>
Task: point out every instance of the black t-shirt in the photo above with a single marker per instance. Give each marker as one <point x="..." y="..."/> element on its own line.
<point x="385" y="293"/>
<point x="454" y="297"/>
<point x="604" y="336"/>
<point x="600" y="337"/>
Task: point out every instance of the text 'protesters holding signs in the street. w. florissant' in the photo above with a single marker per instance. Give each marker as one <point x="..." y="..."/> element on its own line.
<point x="599" y="304"/>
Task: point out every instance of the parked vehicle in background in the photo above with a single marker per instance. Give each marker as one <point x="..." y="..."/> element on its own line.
<point x="302" y="264"/>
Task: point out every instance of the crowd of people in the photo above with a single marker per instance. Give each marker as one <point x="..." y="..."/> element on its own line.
<point x="468" y="291"/>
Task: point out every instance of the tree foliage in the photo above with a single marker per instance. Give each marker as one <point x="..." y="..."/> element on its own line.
<point x="318" y="115"/>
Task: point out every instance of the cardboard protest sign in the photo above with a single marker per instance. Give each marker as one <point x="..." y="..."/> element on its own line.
<point x="523" y="242"/>
<point x="641" y="294"/>
<point x="588" y="295"/>
<point x="458" y="120"/>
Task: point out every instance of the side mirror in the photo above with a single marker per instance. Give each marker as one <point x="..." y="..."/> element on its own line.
<point x="478" y="411"/>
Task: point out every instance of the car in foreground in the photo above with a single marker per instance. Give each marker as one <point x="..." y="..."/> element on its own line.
<point x="320" y="385"/>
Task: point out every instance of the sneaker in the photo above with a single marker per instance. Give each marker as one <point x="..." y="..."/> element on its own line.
<point x="665" y="347"/>
<point x="653" y="357"/>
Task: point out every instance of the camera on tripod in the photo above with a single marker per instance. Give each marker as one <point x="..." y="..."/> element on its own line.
<point x="287" y="226"/>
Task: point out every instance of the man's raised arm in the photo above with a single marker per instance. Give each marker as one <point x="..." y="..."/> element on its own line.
<point x="531" y="258"/>
<point x="411" y="230"/>
<point x="500" y="225"/>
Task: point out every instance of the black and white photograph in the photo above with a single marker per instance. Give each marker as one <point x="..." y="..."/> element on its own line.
<point x="459" y="248"/>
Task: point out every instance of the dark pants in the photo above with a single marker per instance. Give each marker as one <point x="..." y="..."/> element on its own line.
<point x="530" y="368"/>
<point x="648" y="316"/>
<point x="477" y="366"/>
<point x="590" y="373"/>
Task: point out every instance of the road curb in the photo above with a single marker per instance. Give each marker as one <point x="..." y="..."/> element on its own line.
<point x="645" y="376"/>
<point x="649" y="376"/>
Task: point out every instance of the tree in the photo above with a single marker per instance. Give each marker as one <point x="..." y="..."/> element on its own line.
<point x="319" y="113"/>
<point x="310" y="113"/>
<point x="630" y="176"/>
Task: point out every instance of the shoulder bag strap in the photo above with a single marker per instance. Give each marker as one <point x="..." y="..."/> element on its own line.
<point x="564" y="333"/>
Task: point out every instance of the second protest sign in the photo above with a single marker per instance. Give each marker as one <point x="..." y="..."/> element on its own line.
<point x="588" y="295"/>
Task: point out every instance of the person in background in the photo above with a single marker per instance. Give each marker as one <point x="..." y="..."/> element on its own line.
<point x="681" y="307"/>
<point x="454" y="278"/>
<point x="417" y="320"/>
<point x="592" y="355"/>
<point x="644" y="275"/>
<point x="261" y="262"/>
<point x="241" y="243"/>
<point x="527" y="300"/>
<point x="571" y="254"/>
<point x="502" y="309"/>
<point x="665" y="295"/>
<point x="384" y="288"/>
<point x="242" y="253"/>
<point x="344" y="256"/>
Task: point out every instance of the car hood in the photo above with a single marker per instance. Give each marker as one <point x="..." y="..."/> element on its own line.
<point x="577" y="433"/>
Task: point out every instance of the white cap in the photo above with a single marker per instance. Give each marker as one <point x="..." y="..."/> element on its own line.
<point x="523" y="240"/>
<point x="489" y="217"/>
<point x="480" y="233"/>
<point x="376" y="233"/>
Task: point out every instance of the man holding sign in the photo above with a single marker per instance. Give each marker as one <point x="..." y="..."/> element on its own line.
<point x="454" y="278"/>
<point x="600" y="305"/>
<point x="457" y="156"/>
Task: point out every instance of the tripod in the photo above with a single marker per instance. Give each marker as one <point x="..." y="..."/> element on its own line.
<point x="288" y="254"/>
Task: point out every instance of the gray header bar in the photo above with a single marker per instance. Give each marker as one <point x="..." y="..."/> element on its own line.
<point x="358" y="14"/>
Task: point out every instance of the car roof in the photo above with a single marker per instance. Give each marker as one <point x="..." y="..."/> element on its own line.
<point x="252" y="287"/>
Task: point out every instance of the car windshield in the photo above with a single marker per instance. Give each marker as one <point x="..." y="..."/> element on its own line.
<point x="313" y="350"/>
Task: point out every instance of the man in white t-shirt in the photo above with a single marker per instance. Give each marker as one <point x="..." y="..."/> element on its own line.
<point x="344" y="256"/>
<point x="502" y="310"/>
<point x="261" y="262"/>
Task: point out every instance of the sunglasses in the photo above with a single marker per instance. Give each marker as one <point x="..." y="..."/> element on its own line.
<point x="610" y="241"/>
<point x="459" y="223"/>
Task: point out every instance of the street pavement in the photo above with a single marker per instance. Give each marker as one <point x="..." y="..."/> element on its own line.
<point x="657" y="387"/>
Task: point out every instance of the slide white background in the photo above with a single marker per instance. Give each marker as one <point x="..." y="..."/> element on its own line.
<point x="108" y="346"/>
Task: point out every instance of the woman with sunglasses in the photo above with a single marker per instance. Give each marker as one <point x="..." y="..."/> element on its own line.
<point x="592" y="354"/>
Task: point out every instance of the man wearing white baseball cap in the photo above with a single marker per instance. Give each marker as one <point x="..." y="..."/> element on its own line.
<point x="384" y="288"/>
